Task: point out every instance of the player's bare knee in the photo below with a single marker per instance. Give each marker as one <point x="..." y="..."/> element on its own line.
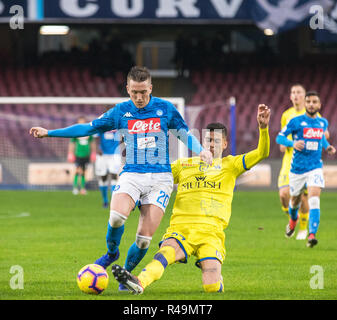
<point x="284" y="197"/>
<point x="116" y="219"/>
<point x="210" y="275"/>
<point x="143" y="242"/>
<point x="171" y="242"/>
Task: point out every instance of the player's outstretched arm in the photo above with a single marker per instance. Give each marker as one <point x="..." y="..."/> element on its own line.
<point x="262" y="150"/>
<point x="193" y="144"/>
<point x="74" y="131"/>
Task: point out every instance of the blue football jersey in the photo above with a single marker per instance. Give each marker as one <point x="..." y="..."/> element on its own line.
<point x="311" y="131"/>
<point x="109" y="142"/>
<point x="145" y="132"/>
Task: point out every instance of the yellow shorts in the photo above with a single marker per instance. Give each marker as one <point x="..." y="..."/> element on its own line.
<point x="283" y="178"/>
<point x="200" y="240"/>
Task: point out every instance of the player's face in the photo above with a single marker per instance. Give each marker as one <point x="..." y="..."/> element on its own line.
<point x="297" y="95"/>
<point x="312" y="105"/>
<point x="215" y="143"/>
<point x="139" y="92"/>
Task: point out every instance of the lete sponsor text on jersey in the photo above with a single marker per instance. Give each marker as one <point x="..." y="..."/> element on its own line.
<point x="144" y="126"/>
<point x="312" y="133"/>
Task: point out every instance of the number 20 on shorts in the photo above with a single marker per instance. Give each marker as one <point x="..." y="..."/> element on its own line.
<point x="163" y="199"/>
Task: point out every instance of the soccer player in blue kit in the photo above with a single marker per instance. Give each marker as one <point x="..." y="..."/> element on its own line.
<point x="144" y="122"/>
<point x="108" y="162"/>
<point x="306" y="167"/>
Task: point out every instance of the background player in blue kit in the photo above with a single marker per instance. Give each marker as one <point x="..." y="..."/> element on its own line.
<point x="144" y="122"/>
<point x="306" y="167"/>
<point x="108" y="162"/>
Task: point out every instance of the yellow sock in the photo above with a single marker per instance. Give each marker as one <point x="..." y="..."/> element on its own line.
<point x="155" y="269"/>
<point x="214" y="287"/>
<point x="304" y="219"/>
<point x="285" y="210"/>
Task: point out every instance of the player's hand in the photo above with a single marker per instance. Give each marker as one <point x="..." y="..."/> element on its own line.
<point x="71" y="157"/>
<point x="263" y="116"/>
<point x="38" y="132"/>
<point x="93" y="157"/>
<point x="331" y="150"/>
<point x="299" y="145"/>
<point x="283" y="148"/>
<point x="206" y="156"/>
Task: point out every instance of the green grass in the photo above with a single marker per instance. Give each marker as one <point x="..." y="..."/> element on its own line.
<point x="64" y="232"/>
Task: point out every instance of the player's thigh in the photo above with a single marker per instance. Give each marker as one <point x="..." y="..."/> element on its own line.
<point x="122" y="203"/>
<point x="160" y="192"/>
<point x="180" y="235"/>
<point x="211" y="271"/>
<point x="210" y="243"/>
<point x="297" y="183"/>
<point x="314" y="192"/>
<point x="149" y="219"/>
<point x="131" y="184"/>
<point x="79" y="170"/>
<point x="79" y="166"/>
<point x="315" y="182"/>
<point x="284" y="195"/>
<point x="171" y="242"/>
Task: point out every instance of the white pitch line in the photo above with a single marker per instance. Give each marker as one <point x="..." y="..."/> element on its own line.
<point x="19" y="215"/>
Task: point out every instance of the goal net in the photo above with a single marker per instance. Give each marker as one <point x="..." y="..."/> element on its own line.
<point x="30" y="163"/>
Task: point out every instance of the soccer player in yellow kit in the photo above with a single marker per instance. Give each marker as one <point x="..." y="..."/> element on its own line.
<point x="297" y="97"/>
<point x="202" y="210"/>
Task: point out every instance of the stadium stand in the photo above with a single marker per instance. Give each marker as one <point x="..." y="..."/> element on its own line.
<point x="250" y="85"/>
<point x="253" y="85"/>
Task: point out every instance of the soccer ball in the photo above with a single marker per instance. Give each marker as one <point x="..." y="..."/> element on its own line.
<point x="92" y="279"/>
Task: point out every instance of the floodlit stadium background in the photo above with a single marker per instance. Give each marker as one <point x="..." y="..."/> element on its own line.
<point x="203" y="51"/>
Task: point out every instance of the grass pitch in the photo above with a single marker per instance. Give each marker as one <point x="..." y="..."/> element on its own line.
<point x="51" y="235"/>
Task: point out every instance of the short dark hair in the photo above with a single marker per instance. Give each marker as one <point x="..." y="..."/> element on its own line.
<point x="139" y="74"/>
<point x="217" y="126"/>
<point x="312" y="93"/>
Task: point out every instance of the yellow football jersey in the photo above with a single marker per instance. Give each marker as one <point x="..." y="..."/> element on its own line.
<point x="286" y="117"/>
<point x="205" y="192"/>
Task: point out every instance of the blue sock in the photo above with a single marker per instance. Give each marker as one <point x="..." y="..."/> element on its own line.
<point x="293" y="212"/>
<point x="104" y="192"/>
<point x="113" y="238"/>
<point x="135" y="255"/>
<point x="314" y="218"/>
